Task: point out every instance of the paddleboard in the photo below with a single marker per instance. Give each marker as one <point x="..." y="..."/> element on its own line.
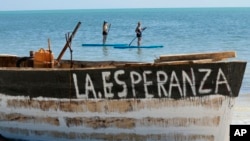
<point x="103" y="45"/>
<point x="126" y="46"/>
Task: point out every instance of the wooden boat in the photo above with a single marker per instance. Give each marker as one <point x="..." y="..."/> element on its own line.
<point x="175" y="97"/>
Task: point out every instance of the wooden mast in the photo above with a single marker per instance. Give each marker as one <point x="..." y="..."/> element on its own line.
<point x="68" y="42"/>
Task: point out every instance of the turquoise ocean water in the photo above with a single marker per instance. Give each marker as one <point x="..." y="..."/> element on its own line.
<point x="180" y="30"/>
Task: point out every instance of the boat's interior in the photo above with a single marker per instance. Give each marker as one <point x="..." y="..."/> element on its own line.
<point x="45" y="59"/>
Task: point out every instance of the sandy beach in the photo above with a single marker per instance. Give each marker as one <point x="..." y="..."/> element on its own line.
<point x="241" y="112"/>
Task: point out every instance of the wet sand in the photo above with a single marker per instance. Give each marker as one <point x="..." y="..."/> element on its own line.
<point x="241" y="111"/>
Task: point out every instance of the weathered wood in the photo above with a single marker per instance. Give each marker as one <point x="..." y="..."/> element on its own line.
<point x="135" y="82"/>
<point x="197" y="56"/>
<point x="184" y="62"/>
<point x="68" y="42"/>
<point x="183" y="99"/>
<point x="8" y="60"/>
<point x="137" y="64"/>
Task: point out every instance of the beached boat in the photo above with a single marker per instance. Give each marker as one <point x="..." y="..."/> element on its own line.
<point x="175" y="97"/>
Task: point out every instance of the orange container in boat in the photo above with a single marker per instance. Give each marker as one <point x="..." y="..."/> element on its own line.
<point x="43" y="59"/>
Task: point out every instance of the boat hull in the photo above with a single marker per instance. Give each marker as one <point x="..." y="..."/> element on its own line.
<point x="126" y="81"/>
<point x="159" y="101"/>
<point x="189" y="119"/>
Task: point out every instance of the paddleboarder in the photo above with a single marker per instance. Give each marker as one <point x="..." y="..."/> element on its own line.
<point x="138" y="31"/>
<point x="105" y="29"/>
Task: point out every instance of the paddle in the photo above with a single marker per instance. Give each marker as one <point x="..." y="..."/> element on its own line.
<point x="136" y="37"/>
<point x="109" y="27"/>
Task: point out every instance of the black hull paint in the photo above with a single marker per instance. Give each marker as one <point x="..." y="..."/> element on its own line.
<point x="156" y="81"/>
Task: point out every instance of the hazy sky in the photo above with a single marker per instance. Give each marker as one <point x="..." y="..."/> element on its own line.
<point x="6" y="5"/>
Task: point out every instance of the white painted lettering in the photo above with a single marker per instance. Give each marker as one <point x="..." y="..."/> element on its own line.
<point x="202" y="90"/>
<point x="187" y="79"/>
<point x="160" y="84"/>
<point x="169" y="83"/>
<point x="134" y="81"/>
<point x="174" y="82"/>
<point x="89" y="86"/>
<point x="125" y="89"/>
<point x="77" y="89"/>
<point x="146" y="84"/>
<point x="221" y="79"/>
<point x="107" y="87"/>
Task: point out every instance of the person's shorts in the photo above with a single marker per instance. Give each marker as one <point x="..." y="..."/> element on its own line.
<point x="138" y="35"/>
<point x="104" y="33"/>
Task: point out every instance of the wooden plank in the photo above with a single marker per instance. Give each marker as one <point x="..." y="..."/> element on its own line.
<point x="197" y="56"/>
<point x="184" y="62"/>
<point x="127" y="65"/>
<point x="137" y="64"/>
<point x="7" y="55"/>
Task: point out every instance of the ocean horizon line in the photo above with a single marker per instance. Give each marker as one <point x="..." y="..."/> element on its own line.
<point x="90" y="9"/>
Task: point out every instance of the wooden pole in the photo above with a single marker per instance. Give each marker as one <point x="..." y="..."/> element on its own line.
<point x="68" y="42"/>
<point x="49" y="44"/>
<point x="50" y="54"/>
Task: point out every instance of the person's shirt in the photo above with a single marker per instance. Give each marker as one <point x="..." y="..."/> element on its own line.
<point x="138" y="30"/>
<point x="105" y="28"/>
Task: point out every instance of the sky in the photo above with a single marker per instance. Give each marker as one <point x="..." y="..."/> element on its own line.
<point x="10" y="5"/>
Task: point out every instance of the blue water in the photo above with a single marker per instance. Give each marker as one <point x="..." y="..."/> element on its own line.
<point x="180" y="30"/>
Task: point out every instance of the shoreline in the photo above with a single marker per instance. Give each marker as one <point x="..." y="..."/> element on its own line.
<point x="241" y="111"/>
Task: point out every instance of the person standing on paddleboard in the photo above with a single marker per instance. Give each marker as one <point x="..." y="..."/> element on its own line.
<point x="138" y="31"/>
<point x="105" y="29"/>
